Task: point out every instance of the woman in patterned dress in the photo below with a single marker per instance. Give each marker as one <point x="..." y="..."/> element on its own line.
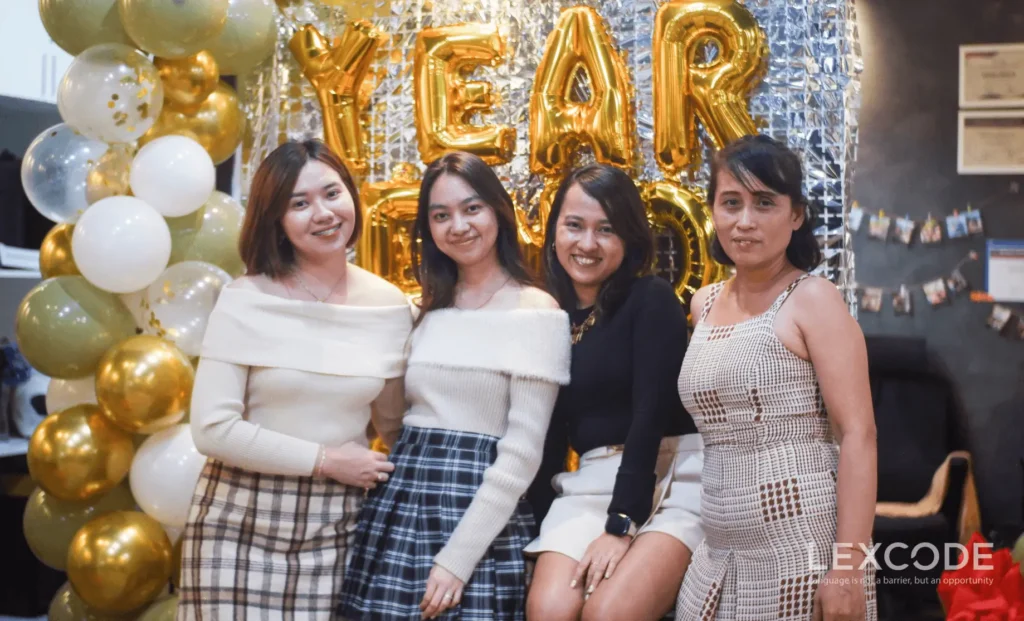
<point x="776" y="380"/>
<point x="299" y="356"/>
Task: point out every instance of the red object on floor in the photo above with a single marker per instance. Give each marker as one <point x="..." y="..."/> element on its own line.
<point x="983" y="589"/>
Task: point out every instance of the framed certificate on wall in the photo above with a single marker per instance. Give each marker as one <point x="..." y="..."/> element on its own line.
<point x="990" y="142"/>
<point x="992" y="76"/>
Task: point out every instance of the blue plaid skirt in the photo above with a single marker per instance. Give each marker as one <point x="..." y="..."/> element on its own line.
<point x="405" y="523"/>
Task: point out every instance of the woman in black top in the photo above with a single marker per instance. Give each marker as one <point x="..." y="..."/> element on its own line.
<point x="618" y="532"/>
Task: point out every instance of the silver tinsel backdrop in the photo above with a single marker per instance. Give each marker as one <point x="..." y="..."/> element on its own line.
<point x="810" y="97"/>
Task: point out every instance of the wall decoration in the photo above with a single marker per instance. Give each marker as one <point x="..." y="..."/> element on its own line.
<point x="992" y="76"/>
<point x="990" y="142"/>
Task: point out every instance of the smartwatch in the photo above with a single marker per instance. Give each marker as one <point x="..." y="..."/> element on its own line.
<point x="620" y="525"/>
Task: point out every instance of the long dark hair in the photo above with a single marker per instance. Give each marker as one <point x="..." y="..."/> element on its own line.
<point x="262" y="244"/>
<point x="777" y="168"/>
<point x="435" y="271"/>
<point x="622" y="204"/>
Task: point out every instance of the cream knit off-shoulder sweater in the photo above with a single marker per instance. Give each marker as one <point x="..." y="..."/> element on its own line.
<point x="491" y="372"/>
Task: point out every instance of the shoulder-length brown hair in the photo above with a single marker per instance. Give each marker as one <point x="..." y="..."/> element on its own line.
<point x="264" y="247"/>
<point x="435" y="271"/>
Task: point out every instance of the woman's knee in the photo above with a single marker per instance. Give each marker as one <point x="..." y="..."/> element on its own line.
<point x="547" y="603"/>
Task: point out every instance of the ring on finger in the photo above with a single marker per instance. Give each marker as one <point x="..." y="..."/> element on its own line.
<point x="381" y="476"/>
<point x="447" y="597"/>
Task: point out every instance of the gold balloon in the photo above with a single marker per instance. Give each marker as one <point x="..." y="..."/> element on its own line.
<point x="188" y="81"/>
<point x="337" y="73"/>
<point x="679" y="210"/>
<point x="66" y="605"/>
<point x="531" y="230"/>
<point x="50" y="523"/>
<point x="209" y="234"/>
<point x="120" y="561"/>
<point x="385" y="244"/>
<point x="446" y="101"/>
<point x="580" y="43"/>
<point x="718" y="91"/>
<point x="75" y="25"/>
<point x="173" y="29"/>
<point x="248" y="37"/>
<point x="144" y="384"/>
<point x="218" y="125"/>
<point x="77" y="454"/>
<point x="109" y="175"/>
<point x="55" y="258"/>
<point x="65" y="324"/>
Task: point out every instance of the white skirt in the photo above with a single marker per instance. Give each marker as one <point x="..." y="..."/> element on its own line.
<point x="578" y="514"/>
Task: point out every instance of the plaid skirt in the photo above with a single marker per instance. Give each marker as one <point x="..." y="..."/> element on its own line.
<point x="405" y="523"/>
<point x="259" y="546"/>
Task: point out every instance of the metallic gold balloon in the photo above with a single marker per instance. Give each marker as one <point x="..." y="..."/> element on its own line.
<point x="209" y="234"/>
<point x="389" y="213"/>
<point x="49" y="523"/>
<point x="77" y="454"/>
<point x="531" y="230"/>
<point x="717" y="91"/>
<point x="55" y="258"/>
<point x="109" y="175"/>
<point x="248" y="36"/>
<point x="558" y="125"/>
<point x="446" y="101"/>
<point x="120" y="561"/>
<point x="218" y="125"/>
<point x="144" y="384"/>
<point x="65" y="325"/>
<point x="188" y="81"/>
<point x="337" y="73"/>
<point x="75" y="25"/>
<point x="173" y="29"/>
<point x="673" y="207"/>
<point x="67" y="606"/>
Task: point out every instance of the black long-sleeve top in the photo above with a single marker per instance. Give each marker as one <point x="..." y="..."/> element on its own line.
<point x="622" y="391"/>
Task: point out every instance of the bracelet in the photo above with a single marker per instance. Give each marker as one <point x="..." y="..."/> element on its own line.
<point x="321" y="457"/>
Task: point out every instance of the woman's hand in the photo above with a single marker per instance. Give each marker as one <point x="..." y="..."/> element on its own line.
<point x="602" y="556"/>
<point x="840" y="596"/>
<point x="444" y="591"/>
<point x="356" y="465"/>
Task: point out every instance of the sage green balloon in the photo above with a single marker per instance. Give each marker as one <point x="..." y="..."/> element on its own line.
<point x="75" y="25"/>
<point x="173" y="28"/>
<point x="1018" y="553"/>
<point x="50" y="523"/>
<point x="65" y="325"/>
<point x="162" y="610"/>
<point x="67" y="606"/>
<point x="248" y="37"/>
<point x="209" y="234"/>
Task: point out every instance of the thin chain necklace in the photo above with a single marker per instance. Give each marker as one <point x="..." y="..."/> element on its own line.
<point x="320" y="300"/>
<point x="493" y="293"/>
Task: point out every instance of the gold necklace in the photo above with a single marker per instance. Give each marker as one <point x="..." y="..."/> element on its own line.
<point x="578" y="331"/>
<point x="493" y="293"/>
<point x="298" y="279"/>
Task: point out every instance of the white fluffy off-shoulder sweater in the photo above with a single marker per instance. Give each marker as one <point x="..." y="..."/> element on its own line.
<point x="277" y="378"/>
<point x="491" y="372"/>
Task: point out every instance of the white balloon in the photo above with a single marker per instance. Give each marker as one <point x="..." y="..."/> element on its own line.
<point x="179" y="303"/>
<point x="111" y="92"/>
<point x="135" y="302"/>
<point x="121" y="244"/>
<point x="55" y="172"/>
<point x="174" y="174"/>
<point x="63" y="394"/>
<point x="164" y="474"/>
<point x="173" y="532"/>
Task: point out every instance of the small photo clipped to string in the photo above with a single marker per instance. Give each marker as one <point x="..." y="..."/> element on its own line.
<point x="871" y="300"/>
<point x="935" y="292"/>
<point x="999" y="318"/>
<point x="878" y="227"/>
<point x="931" y="232"/>
<point x="956" y="282"/>
<point x="905" y="229"/>
<point x="956" y="225"/>
<point x="855" y="217"/>
<point x="974" y="224"/>
<point x="902" y="304"/>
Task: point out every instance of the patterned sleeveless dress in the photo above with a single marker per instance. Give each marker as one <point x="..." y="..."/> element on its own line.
<point x="768" y="498"/>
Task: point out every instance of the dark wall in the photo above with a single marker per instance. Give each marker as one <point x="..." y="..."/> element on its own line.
<point x="907" y="165"/>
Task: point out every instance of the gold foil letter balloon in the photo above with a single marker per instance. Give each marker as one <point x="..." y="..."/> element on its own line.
<point x="687" y="87"/>
<point x="337" y="72"/>
<point x="385" y="245"/>
<point x="446" y="101"/>
<point x="558" y="125"/>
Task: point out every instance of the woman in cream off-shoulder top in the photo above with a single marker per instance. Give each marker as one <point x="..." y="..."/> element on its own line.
<point x="299" y="357"/>
<point x="444" y="537"/>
